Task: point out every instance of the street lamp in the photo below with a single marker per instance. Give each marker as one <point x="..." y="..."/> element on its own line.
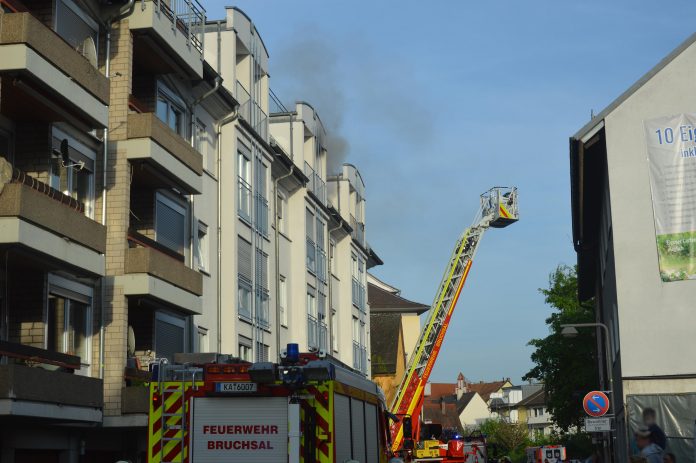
<point x="570" y="331"/>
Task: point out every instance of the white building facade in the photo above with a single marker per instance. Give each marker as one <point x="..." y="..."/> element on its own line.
<point x="650" y="322"/>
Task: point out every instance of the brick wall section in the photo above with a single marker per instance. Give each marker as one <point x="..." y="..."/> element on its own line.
<point x="118" y="205"/>
<point x="42" y="10"/>
<point x="26" y="302"/>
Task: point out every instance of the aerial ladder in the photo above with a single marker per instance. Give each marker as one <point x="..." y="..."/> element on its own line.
<point x="498" y="209"/>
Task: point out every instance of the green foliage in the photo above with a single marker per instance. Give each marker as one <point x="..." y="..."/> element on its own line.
<point x="506" y="439"/>
<point x="566" y="366"/>
<point x="512" y="440"/>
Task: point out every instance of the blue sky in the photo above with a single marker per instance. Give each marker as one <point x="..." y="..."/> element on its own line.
<point x="438" y="101"/>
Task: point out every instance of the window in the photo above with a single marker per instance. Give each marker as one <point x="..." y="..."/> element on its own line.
<point x="244" y="289"/>
<point x="283" y="300"/>
<point x="74" y="177"/>
<point x="320" y="252"/>
<point x="69" y="318"/>
<point x="261" y="212"/>
<point x="280" y="212"/>
<point x="244" y="193"/>
<point x="202" y="250"/>
<point x="262" y="293"/>
<point x="170" y="223"/>
<point x="170" y="335"/>
<point x="200" y="142"/>
<point x="170" y="109"/>
<point x="311" y="249"/>
<point x="333" y="257"/>
<point x="321" y="317"/>
<point x="245" y="348"/>
<point x="202" y="340"/>
<point x="334" y="330"/>
<point x="244" y="298"/>
<point x="312" y="322"/>
<point x="261" y="352"/>
<point x="74" y="25"/>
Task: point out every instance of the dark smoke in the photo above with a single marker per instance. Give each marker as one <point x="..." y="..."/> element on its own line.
<point x="308" y="70"/>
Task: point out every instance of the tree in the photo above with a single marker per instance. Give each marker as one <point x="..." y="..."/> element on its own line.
<point x="506" y="439"/>
<point x="566" y="366"/>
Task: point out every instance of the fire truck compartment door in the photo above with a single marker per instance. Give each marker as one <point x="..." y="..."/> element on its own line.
<point x="239" y="430"/>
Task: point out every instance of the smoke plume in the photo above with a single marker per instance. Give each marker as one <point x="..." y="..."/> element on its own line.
<point x="308" y="70"/>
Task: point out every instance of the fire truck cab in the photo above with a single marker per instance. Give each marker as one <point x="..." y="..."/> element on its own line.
<point x="309" y="409"/>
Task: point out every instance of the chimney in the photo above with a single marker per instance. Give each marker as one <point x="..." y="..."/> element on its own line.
<point x="427" y="390"/>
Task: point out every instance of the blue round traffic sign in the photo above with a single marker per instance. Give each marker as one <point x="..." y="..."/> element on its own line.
<point x="596" y="403"/>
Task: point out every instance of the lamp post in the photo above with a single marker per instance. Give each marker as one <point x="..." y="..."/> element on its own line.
<point x="570" y="331"/>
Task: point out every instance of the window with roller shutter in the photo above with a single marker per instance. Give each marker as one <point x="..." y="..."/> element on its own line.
<point x="170" y="223"/>
<point x="244" y="272"/>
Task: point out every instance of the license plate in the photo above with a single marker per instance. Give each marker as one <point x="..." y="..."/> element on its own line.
<point x="235" y="387"/>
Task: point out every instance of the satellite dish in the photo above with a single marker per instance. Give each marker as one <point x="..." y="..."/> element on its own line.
<point x="89" y="51"/>
<point x="131" y="342"/>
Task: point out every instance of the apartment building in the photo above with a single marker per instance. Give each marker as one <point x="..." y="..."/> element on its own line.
<point x="145" y="210"/>
<point x="324" y="255"/>
<point x="105" y="265"/>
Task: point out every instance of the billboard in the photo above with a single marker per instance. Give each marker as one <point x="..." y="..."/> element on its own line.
<point x="671" y="144"/>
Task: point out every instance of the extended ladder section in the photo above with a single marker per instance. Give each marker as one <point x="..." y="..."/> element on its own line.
<point x="498" y="209"/>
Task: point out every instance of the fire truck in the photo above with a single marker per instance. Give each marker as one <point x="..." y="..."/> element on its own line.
<point x="546" y="454"/>
<point x="309" y="408"/>
<point x="498" y="209"/>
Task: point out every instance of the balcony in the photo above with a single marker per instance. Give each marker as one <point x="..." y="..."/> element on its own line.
<point x="359" y="357"/>
<point x="261" y="222"/>
<point x="38" y="217"/>
<point x="38" y="389"/>
<point x="152" y="270"/>
<point x="316" y="185"/>
<point x="164" y="156"/>
<point x="358" y="233"/>
<point x="47" y="69"/>
<point x="317" y="334"/>
<point x="251" y="112"/>
<point x="174" y="27"/>
<point x="358" y="293"/>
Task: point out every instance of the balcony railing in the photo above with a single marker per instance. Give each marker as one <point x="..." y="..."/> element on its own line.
<point x="358" y="233"/>
<point x="317" y="333"/>
<point x="311" y="256"/>
<point x="358" y="292"/>
<point x="188" y="16"/>
<point x="359" y="357"/>
<point x="316" y="185"/>
<point x="277" y="106"/>
<point x="262" y="309"/>
<point x="261" y="211"/>
<point x="244" y="200"/>
<point x="321" y="264"/>
<point x="251" y="112"/>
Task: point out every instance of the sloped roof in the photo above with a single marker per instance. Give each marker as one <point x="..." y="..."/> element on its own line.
<point x="438" y="390"/>
<point x="537" y="398"/>
<point x="432" y="411"/>
<point x="486" y="389"/>
<point x="384" y="339"/>
<point x="381" y="300"/>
